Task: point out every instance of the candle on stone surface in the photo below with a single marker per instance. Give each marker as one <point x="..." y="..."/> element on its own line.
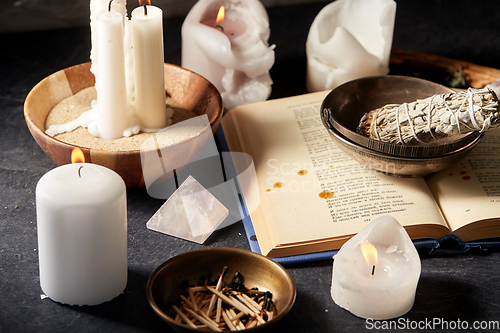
<point x="82" y="233"/>
<point x="347" y="40"/>
<point x="375" y="273"/>
<point x="113" y="110"/>
<point x="150" y="107"/>
<point x="232" y="51"/>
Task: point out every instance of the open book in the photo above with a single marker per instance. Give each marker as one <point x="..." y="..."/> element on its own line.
<point x="313" y="197"/>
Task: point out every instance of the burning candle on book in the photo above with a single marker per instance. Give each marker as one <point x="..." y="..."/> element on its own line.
<point x="375" y="273"/>
<point x="82" y="233"/>
<point x="227" y="43"/>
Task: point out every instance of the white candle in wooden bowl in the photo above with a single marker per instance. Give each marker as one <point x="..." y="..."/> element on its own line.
<point x="231" y="52"/>
<point x="147" y="27"/>
<point x="96" y="6"/>
<point x="82" y="234"/>
<point x="113" y="111"/>
<point x="375" y="273"/>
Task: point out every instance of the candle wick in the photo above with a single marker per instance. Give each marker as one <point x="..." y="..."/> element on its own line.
<point x="145" y="10"/>
<point x="176" y="181"/>
<point x="373" y="270"/>
<point x="79" y="174"/>
<point x="219" y="27"/>
<point x="109" y="6"/>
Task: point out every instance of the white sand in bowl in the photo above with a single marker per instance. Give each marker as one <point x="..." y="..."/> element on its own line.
<point x="73" y="106"/>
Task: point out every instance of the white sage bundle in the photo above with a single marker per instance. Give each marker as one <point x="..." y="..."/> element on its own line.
<point x="435" y="117"/>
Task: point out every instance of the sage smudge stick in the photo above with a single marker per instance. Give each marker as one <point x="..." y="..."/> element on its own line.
<point x="432" y="118"/>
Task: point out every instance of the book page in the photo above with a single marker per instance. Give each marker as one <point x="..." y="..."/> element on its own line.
<point x="470" y="190"/>
<point x="309" y="189"/>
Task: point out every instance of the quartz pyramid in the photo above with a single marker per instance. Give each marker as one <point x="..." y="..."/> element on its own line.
<point x="191" y="213"/>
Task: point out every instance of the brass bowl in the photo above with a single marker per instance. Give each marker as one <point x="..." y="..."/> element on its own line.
<point x="188" y="89"/>
<point x="344" y="106"/>
<point x="166" y="282"/>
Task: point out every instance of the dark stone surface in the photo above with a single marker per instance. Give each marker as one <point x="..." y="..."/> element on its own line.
<point x="462" y="287"/>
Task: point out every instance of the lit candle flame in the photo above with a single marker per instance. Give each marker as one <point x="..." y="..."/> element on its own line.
<point x="220" y="15"/>
<point x="77" y="156"/>
<point x="370" y="253"/>
<point x="144" y="2"/>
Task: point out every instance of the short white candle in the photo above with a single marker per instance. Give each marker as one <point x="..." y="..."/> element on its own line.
<point x="113" y="112"/>
<point x="147" y="30"/>
<point x="347" y="40"/>
<point x="82" y="234"/>
<point x="233" y="53"/>
<point x="380" y="288"/>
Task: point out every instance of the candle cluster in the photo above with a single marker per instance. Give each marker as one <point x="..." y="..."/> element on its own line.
<point x="127" y="61"/>
<point x="128" y="65"/>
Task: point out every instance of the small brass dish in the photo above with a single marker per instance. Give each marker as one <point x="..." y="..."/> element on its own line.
<point x="166" y="282"/>
<point x="185" y="87"/>
<point x="345" y="105"/>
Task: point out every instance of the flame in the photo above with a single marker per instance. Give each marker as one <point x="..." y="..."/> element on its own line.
<point x="144" y="2"/>
<point x="77" y="156"/>
<point x="370" y="253"/>
<point x="220" y="15"/>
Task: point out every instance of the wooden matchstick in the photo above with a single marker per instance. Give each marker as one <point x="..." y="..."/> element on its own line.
<point x="236" y="319"/>
<point x="198" y="288"/>
<point x="188" y="302"/>
<point x="183" y="316"/>
<point x="217" y="287"/>
<point x="193" y="300"/>
<point x="219" y="310"/>
<point x="248" y="303"/>
<point x="227" y="300"/>
<point x="228" y="321"/>
<point x="203" y="320"/>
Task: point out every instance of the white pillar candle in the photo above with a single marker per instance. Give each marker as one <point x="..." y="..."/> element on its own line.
<point x="347" y="40"/>
<point x="82" y="234"/>
<point x="233" y="54"/>
<point x="147" y="27"/>
<point x="113" y="112"/>
<point x="381" y="288"/>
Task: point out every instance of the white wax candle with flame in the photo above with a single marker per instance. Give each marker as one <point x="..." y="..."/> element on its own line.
<point x="227" y="43"/>
<point x="113" y="112"/>
<point x="375" y="273"/>
<point x="82" y="234"/>
<point x="147" y="27"/>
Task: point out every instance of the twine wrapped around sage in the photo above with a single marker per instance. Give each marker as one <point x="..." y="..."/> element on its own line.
<point x="435" y="117"/>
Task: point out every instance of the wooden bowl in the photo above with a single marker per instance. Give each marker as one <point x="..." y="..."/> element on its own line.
<point x="167" y="281"/>
<point x="187" y="88"/>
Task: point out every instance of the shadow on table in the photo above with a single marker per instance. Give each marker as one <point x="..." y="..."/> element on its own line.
<point x="131" y="308"/>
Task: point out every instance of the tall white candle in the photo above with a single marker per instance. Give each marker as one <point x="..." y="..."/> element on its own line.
<point x="95" y="7"/>
<point x="113" y="111"/>
<point x="82" y="234"/>
<point x="233" y="54"/>
<point x="379" y="284"/>
<point x="147" y="27"/>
